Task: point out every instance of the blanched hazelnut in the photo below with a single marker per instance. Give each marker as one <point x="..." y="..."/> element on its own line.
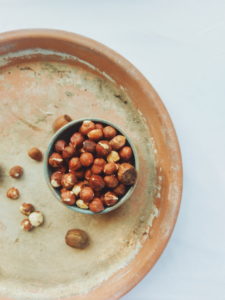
<point x="120" y="190"/>
<point x="86" y="127"/>
<point x="77" y="139"/>
<point x="95" y="134"/>
<point x="126" y="153"/>
<point x="110" y="168"/>
<point x="61" y="121"/>
<point x="16" y="172"/>
<point x="100" y="162"/>
<point x="36" y="218"/>
<point x="68" y="180"/>
<point x="26" y="209"/>
<point x="13" y="193"/>
<point x="99" y="126"/>
<point x="111" y="181"/>
<point x="60" y="145"/>
<point x="79" y="173"/>
<point x="95" y="169"/>
<point x="86" y="159"/>
<point x="77" y="188"/>
<point x="103" y="148"/>
<point x="26" y="225"/>
<point x="110" y="199"/>
<point x="113" y="157"/>
<point x="68" y="197"/>
<point x="118" y="142"/>
<point x="89" y="146"/>
<point x="86" y="194"/>
<point x="88" y="174"/>
<point x="56" y="179"/>
<point x="35" y="154"/>
<point x="109" y="132"/>
<point x="74" y="164"/>
<point x="81" y="204"/>
<point x="55" y="160"/>
<point x="77" y="238"/>
<point x="127" y="174"/>
<point x="96" y="182"/>
<point x="96" y="205"/>
<point x="68" y="152"/>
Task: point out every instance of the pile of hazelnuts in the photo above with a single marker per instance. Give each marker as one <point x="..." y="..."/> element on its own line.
<point x="93" y="167"/>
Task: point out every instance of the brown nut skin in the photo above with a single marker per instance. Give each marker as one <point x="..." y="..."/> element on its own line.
<point x="35" y="154"/>
<point x="120" y="190"/>
<point x="68" y="152"/>
<point x="118" y="142"/>
<point x="86" y="159"/>
<point x="60" y="122"/>
<point x="55" y="160"/>
<point x="68" y="197"/>
<point x="77" y="238"/>
<point x="75" y="164"/>
<point x="13" y="193"/>
<point x="127" y="174"/>
<point x="86" y="127"/>
<point x="26" y="225"/>
<point x="110" y="168"/>
<point x="26" y="209"/>
<point x="96" y="182"/>
<point x="62" y="169"/>
<point x="86" y="194"/>
<point x="89" y="146"/>
<point x="95" y="169"/>
<point x="95" y="134"/>
<point x="56" y="179"/>
<point x="77" y="139"/>
<point x="96" y="205"/>
<point x="110" y="199"/>
<point x="109" y="132"/>
<point x="16" y="172"/>
<point x="68" y="180"/>
<point x="79" y="174"/>
<point x="126" y="153"/>
<point x="99" y="126"/>
<point x="111" y="181"/>
<point x="60" y="146"/>
<point x="77" y="187"/>
<point x="103" y="148"/>
<point x="113" y="156"/>
<point x="100" y="162"/>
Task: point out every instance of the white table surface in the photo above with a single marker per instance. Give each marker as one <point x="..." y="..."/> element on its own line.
<point x="180" y="47"/>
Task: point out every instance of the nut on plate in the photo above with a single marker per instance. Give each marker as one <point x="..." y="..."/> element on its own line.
<point x="77" y="139"/>
<point x="126" y="153"/>
<point x="113" y="157"/>
<point x="118" y="142"/>
<point x="61" y="121"/>
<point x="68" y="180"/>
<point x="60" y="146"/>
<point x="77" y="238"/>
<point x="13" y="193"/>
<point x="127" y="174"/>
<point x="26" y="225"/>
<point x="56" y="179"/>
<point x="96" y="205"/>
<point x="109" y="132"/>
<point x="35" y="154"/>
<point x="16" y="172"/>
<point x="86" y="127"/>
<point x="68" y="151"/>
<point x="68" y="197"/>
<point x="36" y="218"/>
<point x="96" y="182"/>
<point x="86" y="159"/>
<point x="110" y="198"/>
<point x="55" y="160"/>
<point x="103" y="148"/>
<point x="26" y="209"/>
<point x="86" y="194"/>
<point x="111" y="181"/>
<point x="81" y="204"/>
<point x="75" y="164"/>
<point x="89" y="146"/>
<point x="110" y="168"/>
<point x="95" y="134"/>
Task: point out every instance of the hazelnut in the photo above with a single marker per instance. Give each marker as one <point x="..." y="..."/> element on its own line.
<point x="61" y="121"/>
<point x="110" y="168"/>
<point x="56" y="179"/>
<point x="35" y="154"/>
<point x="120" y="190"/>
<point x="77" y="188"/>
<point x="127" y="174"/>
<point x="68" y="197"/>
<point x="77" y="139"/>
<point x="118" y="142"/>
<point x="26" y="209"/>
<point x="86" y="194"/>
<point x="113" y="157"/>
<point x="96" y="205"/>
<point x="86" y="159"/>
<point x="111" y="181"/>
<point x="36" y="218"/>
<point x="60" y="145"/>
<point x="68" y="180"/>
<point x="68" y="152"/>
<point x="89" y="146"/>
<point x="86" y="127"/>
<point x="96" y="182"/>
<point x="99" y="162"/>
<point x="95" y="169"/>
<point x="110" y="199"/>
<point x="88" y="174"/>
<point x="74" y="164"/>
<point x="103" y="148"/>
<point x="126" y="153"/>
<point x="77" y="238"/>
<point x="13" y="193"/>
<point x="16" y="172"/>
<point x="79" y="174"/>
<point x="99" y="126"/>
<point x="109" y="132"/>
<point x="55" y="160"/>
<point x="62" y="169"/>
<point x="26" y="225"/>
<point x="81" y="204"/>
<point x="95" y="134"/>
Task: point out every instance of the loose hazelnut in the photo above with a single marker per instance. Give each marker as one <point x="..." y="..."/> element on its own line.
<point x="35" y="154"/>
<point x="86" y="194"/>
<point x="68" y="180"/>
<point x="86" y="159"/>
<point x="126" y="153"/>
<point x="26" y="209"/>
<point x="118" y="142"/>
<point x="96" y="205"/>
<point x="68" y="152"/>
<point x="120" y="190"/>
<point x="74" y="164"/>
<point x="95" y="169"/>
<point x="16" y="172"/>
<point x="103" y="148"/>
<point x="77" y="238"/>
<point x="68" y="197"/>
<point x="111" y="181"/>
<point x="127" y="174"/>
<point x="77" y="188"/>
<point x="110" y="199"/>
<point x="60" y="145"/>
<point x="86" y="127"/>
<point x="77" y="139"/>
<point x="113" y="157"/>
<point x="55" y="160"/>
<point x="26" y="225"/>
<point x="96" y="182"/>
<point x="61" y="121"/>
<point x="13" y="193"/>
<point x="110" y="168"/>
<point x="88" y="174"/>
<point x="81" y="204"/>
<point x="89" y="146"/>
<point x="100" y="162"/>
<point x="95" y="134"/>
<point x="79" y="174"/>
<point x="56" y="179"/>
<point x="99" y="126"/>
<point x="36" y="218"/>
<point x="109" y="132"/>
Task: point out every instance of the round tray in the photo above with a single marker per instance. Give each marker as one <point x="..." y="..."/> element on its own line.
<point x="46" y="73"/>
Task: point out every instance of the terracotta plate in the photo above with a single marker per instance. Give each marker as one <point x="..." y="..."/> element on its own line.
<point x="46" y="73"/>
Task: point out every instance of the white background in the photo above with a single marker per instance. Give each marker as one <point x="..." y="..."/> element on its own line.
<point x="180" y="47"/>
